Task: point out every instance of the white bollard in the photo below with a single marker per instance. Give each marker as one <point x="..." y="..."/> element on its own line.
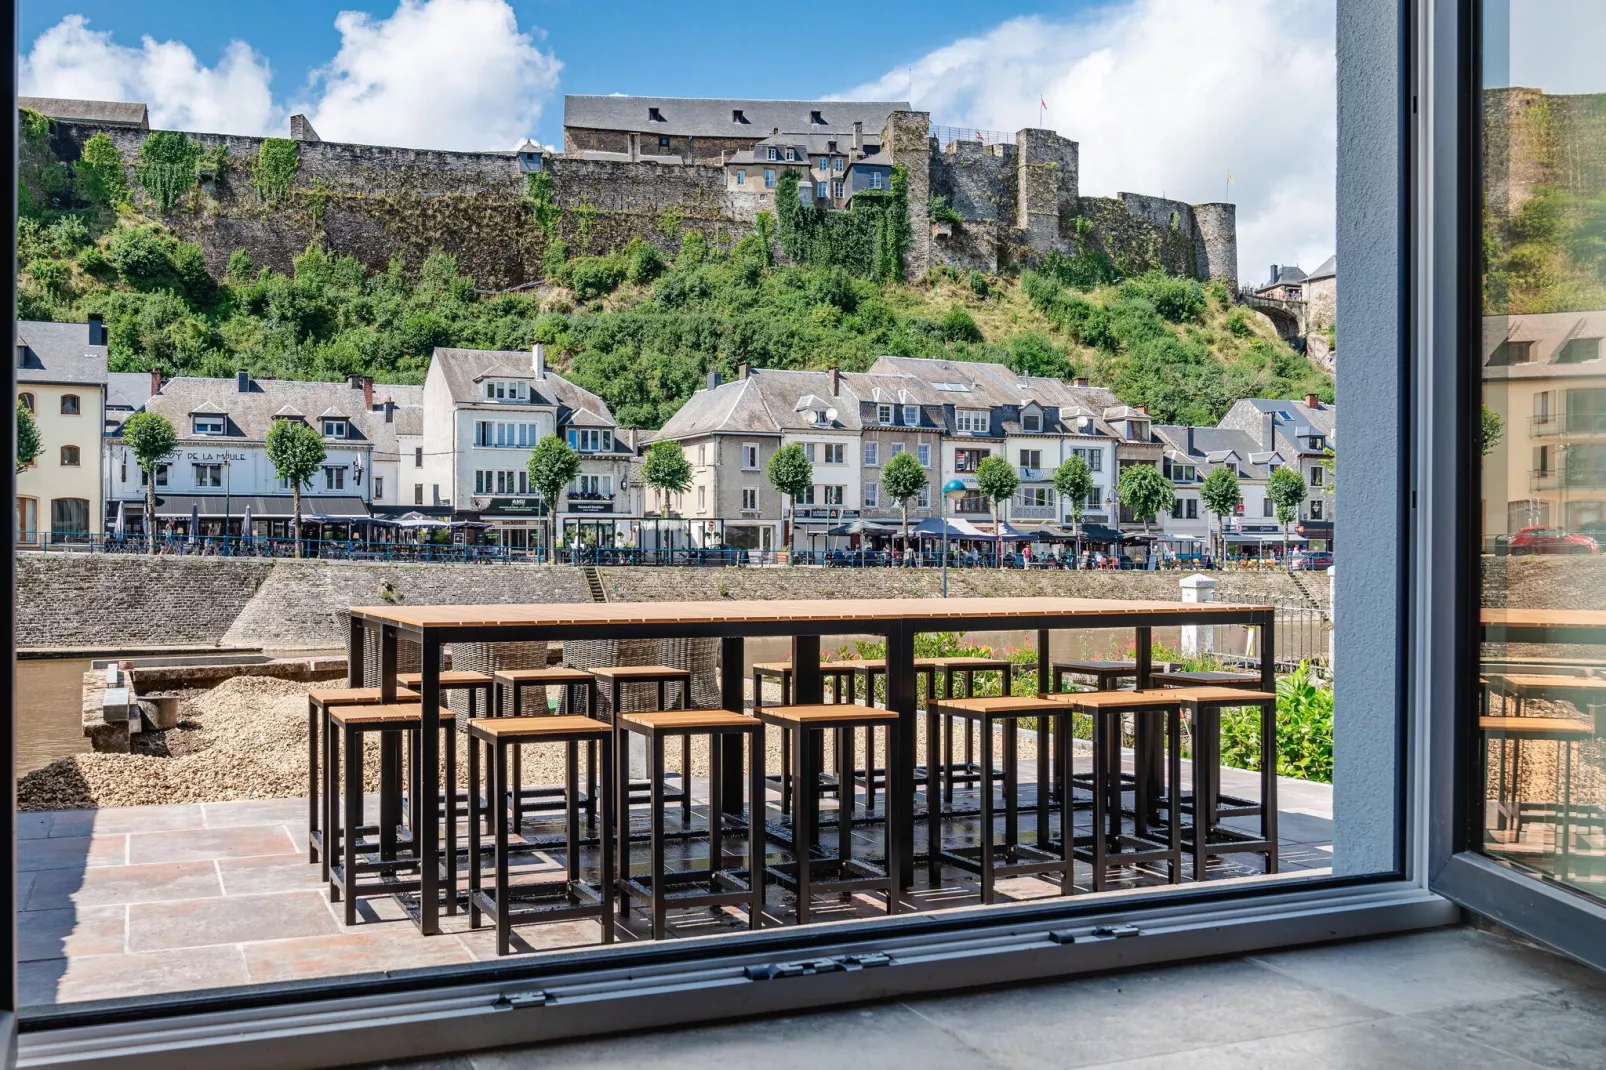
<point x="1198" y="638"/>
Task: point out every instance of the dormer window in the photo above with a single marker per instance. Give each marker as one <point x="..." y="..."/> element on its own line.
<point x="970" y="421"/>
<point x="774" y="153"/>
<point x="737" y="116"/>
<point x="654" y="115"/>
<point x="791" y="155"/>
<point x="1137" y="430"/>
<point x="1318" y="442"/>
<point x="590" y="439"/>
<point x="911" y="415"/>
<point x="816" y="118"/>
<point x="506" y="390"/>
<point x="1031" y="421"/>
<point x="207" y="425"/>
<point x="335" y="428"/>
<point x="883" y="414"/>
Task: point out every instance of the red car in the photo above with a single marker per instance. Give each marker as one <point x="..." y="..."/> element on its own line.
<point x="1538" y="540"/>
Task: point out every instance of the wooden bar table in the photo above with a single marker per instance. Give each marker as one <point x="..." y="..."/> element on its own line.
<point x="1573" y="626"/>
<point x="804" y="621"/>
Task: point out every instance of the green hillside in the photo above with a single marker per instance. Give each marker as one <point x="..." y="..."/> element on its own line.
<point x="640" y="329"/>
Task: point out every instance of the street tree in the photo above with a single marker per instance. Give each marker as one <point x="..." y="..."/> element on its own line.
<point x="550" y="466"/>
<point x="1286" y="489"/>
<point x="997" y="479"/>
<point x="1073" y="482"/>
<point x="902" y="480"/>
<point x="28" y="444"/>
<point x="295" y="450"/>
<point x="666" y="470"/>
<point x="151" y="437"/>
<point x="791" y="474"/>
<point x="1144" y="490"/>
<point x="1221" y="495"/>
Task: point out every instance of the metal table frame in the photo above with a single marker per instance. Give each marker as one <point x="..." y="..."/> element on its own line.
<point x="808" y="622"/>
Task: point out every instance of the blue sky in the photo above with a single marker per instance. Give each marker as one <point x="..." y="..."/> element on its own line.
<point x="710" y="48"/>
<point x="1165" y="97"/>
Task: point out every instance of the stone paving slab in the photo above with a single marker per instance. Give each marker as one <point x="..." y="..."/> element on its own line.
<point x="188" y="845"/>
<point x="233" y="919"/>
<point x="116" y="885"/>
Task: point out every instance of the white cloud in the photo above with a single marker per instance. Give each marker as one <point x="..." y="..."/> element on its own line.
<point x="1166" y="97"/>
<point x="436" y="74"/>
<point x="455" y="74"/>
<point x="71" y="60"/>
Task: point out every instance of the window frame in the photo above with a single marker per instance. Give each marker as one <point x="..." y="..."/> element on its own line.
<point x="452" y="1008"/>
<point x="77" y="408"/>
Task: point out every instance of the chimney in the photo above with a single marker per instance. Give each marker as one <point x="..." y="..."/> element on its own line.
<point x="368" y="393"/>
<point x="858" y="137"/>
<point x="774" y="131"/>
<point x="301" y="129"/>
<point x="1273" y="278"/>
<point x="713" y="378"/>
<point x="156" y="382"/>
<point x="635" y="147"/>
<point x="1268" y="432"/>
<point x="242" y="380"/>
<point x="1079" y="381"/>
<point x="1144" y="409"/>
<point x="1190" y="440"/>
<point x="743" y="370"/>
<point x="538" y="360"/>
<point x="836" y="382"/>
<point x="97" y="330"/>
<point x="390" y="411"/>
<point x="1312" y="401"/>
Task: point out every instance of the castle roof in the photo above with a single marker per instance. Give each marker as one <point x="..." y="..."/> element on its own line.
<point x="1327" y="270"/>
<point x="97" y="112"/>
<point x="724" y="117"/>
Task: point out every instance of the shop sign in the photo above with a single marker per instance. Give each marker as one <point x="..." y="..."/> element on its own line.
<point x="590" y="507"/>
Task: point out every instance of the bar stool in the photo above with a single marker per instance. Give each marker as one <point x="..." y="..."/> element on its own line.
<point x="455" y="680"/>
<point x="571" y="897"/>
<point x="1107" y="675"/>
<point x="844" y="685"/>
<point x="347" y="726"/>
<point x="1564" y="732"/>
<point x="617" y="678"/>
<point x="1207" y="836"/>
<point x="965" y="668"/>
<point x="815" y="872"/>
<point x="318" y="704"/>
<point x="874" y="776"/>
<point x="1109" y="843"/>
<point x="508" y="701"/>
<point x="1169" y="678"/>
<point x="724" y="886"/>
<point x="1019" y="859"/>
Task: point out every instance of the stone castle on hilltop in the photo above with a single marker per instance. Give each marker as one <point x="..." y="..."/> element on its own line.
<point x="655" y="167"/>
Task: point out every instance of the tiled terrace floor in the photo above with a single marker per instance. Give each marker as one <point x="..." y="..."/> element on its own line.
<point x="1450" y="998"/>
<point x="125" y="902"/>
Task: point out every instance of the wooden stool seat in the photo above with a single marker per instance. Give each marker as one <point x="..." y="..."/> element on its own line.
<point x="718" y="884"/>
<point x="319" y="702"/>
<point x="561" y="724"/>
<point x="510" y="684"/>
<point x="963" y="664"/>
<point x="386" y="713"/>
<point x="1537" y="727"/>
<point x="1198" y="679"/>
<point x="815" y="871"/>
<point x="451" y="678"/>
<point x="992" y="859"/>
<point x="1125" y="701"/>
<point x="549" y="676"/>
<point x="640" y="673"/>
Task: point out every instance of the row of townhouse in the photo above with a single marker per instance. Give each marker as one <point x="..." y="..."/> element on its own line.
<point x="952" y="415"/>
<point x="452" y="449"/>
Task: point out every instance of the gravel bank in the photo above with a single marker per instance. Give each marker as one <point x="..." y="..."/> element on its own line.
<point x="247" y="739"/>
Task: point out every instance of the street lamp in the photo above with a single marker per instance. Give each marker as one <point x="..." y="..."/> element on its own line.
<point x="953" y="490"/>
<point x="226" y="510"/>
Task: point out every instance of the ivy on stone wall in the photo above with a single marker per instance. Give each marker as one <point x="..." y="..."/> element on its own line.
<point x="166" y="167"/>
<point x="870" y="238"/>
<point x="275" y="169"/>
<point x="543" y="205"/>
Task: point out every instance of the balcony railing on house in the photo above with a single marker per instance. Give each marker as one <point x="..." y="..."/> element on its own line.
<point x="1034" y="475"/>
<point x="1577" y="477"/>
<point x="1567" y="423"/>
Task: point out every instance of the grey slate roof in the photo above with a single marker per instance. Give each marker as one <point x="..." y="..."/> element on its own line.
<point x="1211" y="447"/>
<point x="250" y="414"/>
<point x="99" y="112"/>
<point x="59" y="353"/>
<point x="989" y="386"/>
<point x="711" y="117"/>
<point x="127" y="390"/>
<point x="1327" y="269"/>
<point x="1292" y="421"/>
<point x="464" y="369"/>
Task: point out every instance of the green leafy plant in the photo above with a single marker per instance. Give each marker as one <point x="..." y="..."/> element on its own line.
<point x="997" y="478"/>
<point x="41" y="179"/>
<point x="870" y="238"/>
<point x="1144" y="490"/>
<point x="902" y="479"/>
<point x="1286" y="488"/>
<point x="166" y="167"/>
<point x="1073" y="482"/>
<point x="151" y="438"/>
<point x="959" y="326"/>
<point x="538" y="193"/>
<point x="941" y="211"/>
<point x="296" y="451"/>
<point x="1304" y="730"/>
<point x="551" y="466"/>
<point x="790" y="473"/>
<point x="585" y="220"/>
<point x="102" y="180"/>
<point x="1222" y="496"/>
<point x="1490" y="428"/>
<point x="666" y="470"/>
<point x="670" y="220"/>
<point x="275" y="169"/>
<point x="29" y="445"/>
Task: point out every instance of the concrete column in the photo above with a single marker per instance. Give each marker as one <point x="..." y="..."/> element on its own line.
<point x="1198" y="638"/>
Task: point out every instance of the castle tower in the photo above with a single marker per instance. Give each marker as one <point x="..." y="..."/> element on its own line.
<point x="1215" y="242"/>
<point x="907" y="138"/>
<point x="1048" y="185"/>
